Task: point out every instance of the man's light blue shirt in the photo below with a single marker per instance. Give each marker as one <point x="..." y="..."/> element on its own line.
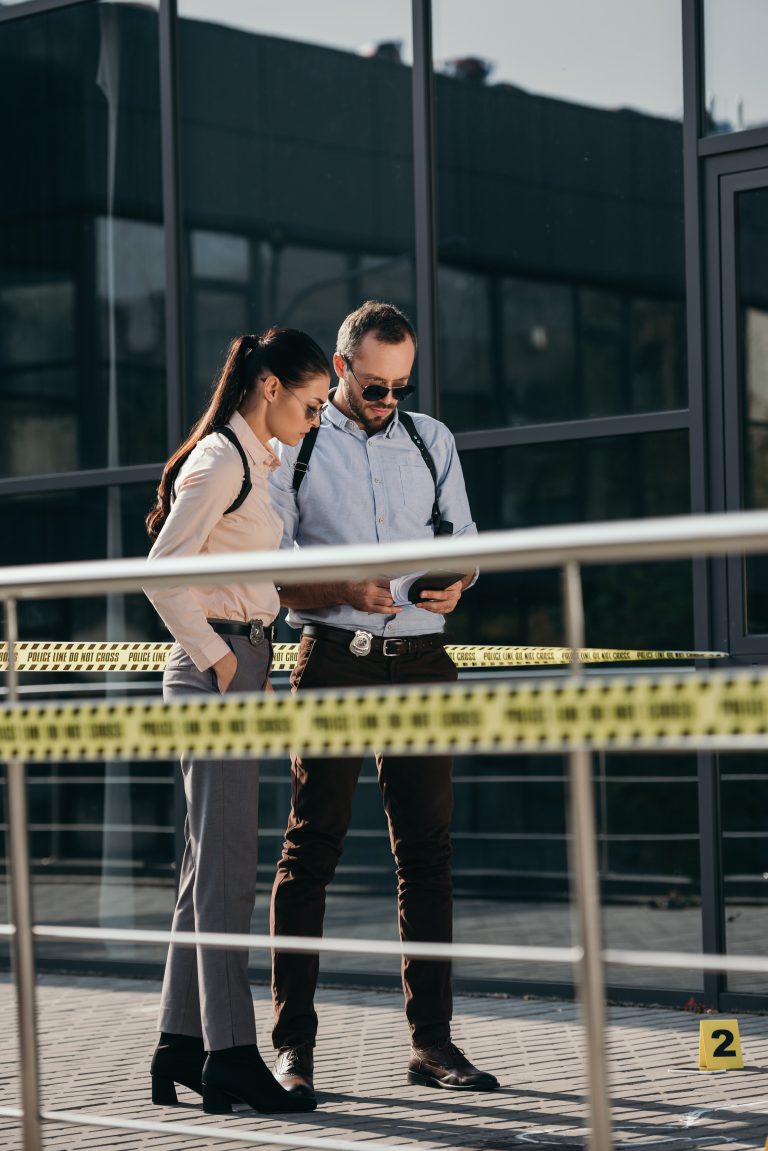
<point x="377" y="489"/>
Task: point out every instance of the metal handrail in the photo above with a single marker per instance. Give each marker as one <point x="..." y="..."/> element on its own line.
<point x="620" y="541"/>
<point x="565" y="547"/>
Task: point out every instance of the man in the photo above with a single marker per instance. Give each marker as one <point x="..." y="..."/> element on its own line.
<point x="367" y="481"/>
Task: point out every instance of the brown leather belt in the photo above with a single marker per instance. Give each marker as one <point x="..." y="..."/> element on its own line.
<point x="363" y="643"/>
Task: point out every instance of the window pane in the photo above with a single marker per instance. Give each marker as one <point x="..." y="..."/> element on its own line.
<point x="510" y="844"/>
<point x="95" y="828"/>
<point x="82" y="281"/>
<point x="63" y="526"/>
<point x="735" y="33"/>
<point x="560" y="210"/>
<point x="297" y="148"/>
<point x="751" y="211"/>
<point x="639" y="605"/>
<point x="743" y="795"/>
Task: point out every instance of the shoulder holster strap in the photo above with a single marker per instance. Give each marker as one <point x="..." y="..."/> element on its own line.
<point x="245" y="490"/>
<point x="407" y="421"/>
<point x="246" y="485"/>
<point x="301" y="467"/>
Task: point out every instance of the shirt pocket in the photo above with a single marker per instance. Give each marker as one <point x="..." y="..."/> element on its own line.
<point x="417" y="488"/>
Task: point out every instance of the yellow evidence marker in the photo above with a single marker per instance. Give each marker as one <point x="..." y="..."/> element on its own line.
<point x="720" y="1045"/>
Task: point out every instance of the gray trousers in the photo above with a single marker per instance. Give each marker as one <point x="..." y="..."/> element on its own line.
<point x="205" y="991"/>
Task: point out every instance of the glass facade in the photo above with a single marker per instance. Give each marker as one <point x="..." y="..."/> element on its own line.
<point x="736" y="84"/>
<point x="745" y="861"/>
<point x="82" y="281"/>
<point x="572" y="359"/>
<point x="559" y="181"/>
<point x="295" y="208"/>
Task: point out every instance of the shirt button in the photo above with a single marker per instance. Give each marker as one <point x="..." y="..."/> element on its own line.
<point x="380" y="520"/>
<point x="376" y="480"/>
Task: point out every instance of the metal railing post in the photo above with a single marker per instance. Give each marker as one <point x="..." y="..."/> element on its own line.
<point x="21" y="913"/>
<point x="586" y="891"/>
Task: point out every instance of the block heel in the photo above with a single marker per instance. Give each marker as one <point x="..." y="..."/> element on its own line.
<point x="177" y="1059"/>
<point x="216" y="1101"/>
<point x="239" y="1075"/>
<point x="164" y="1092"/>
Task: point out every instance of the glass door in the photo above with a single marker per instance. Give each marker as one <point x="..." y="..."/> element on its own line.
<point x="739" y="400"/>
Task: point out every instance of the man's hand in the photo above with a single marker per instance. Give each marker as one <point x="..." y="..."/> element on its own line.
<point x="371" y="595"/>
<point x="442" y="602"/>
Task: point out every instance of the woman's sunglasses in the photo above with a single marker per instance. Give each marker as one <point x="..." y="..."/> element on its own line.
<point x="381" y="391"/>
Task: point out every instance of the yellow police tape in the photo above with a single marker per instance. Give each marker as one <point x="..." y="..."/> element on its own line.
<point x="149" y="657"/>
<point x="621" y="713"/>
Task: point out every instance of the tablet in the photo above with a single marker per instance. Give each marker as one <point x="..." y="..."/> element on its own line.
<point x="432" y="581"/>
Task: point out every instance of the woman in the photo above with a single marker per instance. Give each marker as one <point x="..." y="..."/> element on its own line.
<point x="213" y="498"/>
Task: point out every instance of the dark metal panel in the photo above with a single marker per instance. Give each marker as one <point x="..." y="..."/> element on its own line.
<point x="742" y="1001"/>
<point x="69" y="481"/>
<point x="693" y="99"/>
<point x="712" y="923"/>
<point x="615" y="994"/>
<point x="173" y="220"/>
<point x="424" y="206"/>
<point x="35" y="7"/>
<point x="574" y="430"/>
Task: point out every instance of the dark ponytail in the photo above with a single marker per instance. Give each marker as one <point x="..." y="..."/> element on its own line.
<point x="287" y="353"/>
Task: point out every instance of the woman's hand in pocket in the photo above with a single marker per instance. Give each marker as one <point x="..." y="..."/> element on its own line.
<point x="225" y="670"/>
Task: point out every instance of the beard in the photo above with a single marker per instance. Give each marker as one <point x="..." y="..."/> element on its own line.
<point x="362" y="413"/>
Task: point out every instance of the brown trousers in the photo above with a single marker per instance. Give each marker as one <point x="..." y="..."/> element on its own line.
<point x="418" y="800"/>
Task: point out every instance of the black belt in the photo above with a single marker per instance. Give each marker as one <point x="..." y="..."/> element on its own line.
<point x="255" y="629"/>
<point x="363" y="642"/>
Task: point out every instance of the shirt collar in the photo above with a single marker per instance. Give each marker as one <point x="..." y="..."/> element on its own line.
<point x="259" y="453"/>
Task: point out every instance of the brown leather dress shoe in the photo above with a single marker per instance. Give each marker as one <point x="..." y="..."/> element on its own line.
<point x="446" y="1066"/>
<point x="293" y="1070"/>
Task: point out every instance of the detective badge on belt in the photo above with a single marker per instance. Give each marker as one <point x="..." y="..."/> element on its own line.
<point x="360" y="644"/>
<point x="256" y="634"/>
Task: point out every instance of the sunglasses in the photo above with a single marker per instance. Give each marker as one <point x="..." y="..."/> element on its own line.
<point x="310" y="413"/>
<point x="381" y="391"/>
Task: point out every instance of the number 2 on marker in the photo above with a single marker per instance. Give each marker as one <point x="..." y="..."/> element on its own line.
<point x="724" y="1049"/>
<point x="720" y="1045"/>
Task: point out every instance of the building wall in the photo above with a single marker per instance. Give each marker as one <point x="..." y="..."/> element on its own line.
<point x="562" y="326"/>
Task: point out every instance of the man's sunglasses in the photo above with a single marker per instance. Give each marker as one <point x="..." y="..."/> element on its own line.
<point x="381" y="391"/>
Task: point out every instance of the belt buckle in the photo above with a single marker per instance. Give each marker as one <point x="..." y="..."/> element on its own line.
<point x="384" y="650"/>
<point x="361" y="643"/>
<point x="256" y="634"/>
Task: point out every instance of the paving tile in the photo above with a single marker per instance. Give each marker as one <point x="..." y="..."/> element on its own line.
<point x="97" y="1036"/>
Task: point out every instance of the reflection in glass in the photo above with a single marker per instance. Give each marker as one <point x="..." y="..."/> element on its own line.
<point x="511" y="859"/>
<point x="743" y="797"/>
<point x="752" y="318"/>
<point x="735" y="34"/>
<point x="560" y="210"/>
<point x="621" y="477"/>
<point x="296" y="124"/>
<point x="82" y="278"/>
<point x="95" y="828"/>
<point x="62" y="526"/>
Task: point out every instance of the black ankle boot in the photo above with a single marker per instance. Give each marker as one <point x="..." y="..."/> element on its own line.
<point x="177" y="1059"/>
<point x="240" y="1075"/>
